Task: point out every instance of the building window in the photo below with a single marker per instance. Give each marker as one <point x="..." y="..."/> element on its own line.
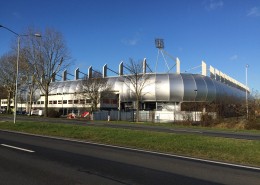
<point x="70" y="102"/>
<point x="54" y="101"/>
<point x="42" y="102"/>
<point x="82" y="101"/>
<point x="76" y="101"/>
<point x="38" y="102"/>
<point x="88" y="101"/>
<point x="106" y="101"/>
<point x="64" y="101"/>
<point x="114" y="102"/>
<point x="50" y="102"/>
<point x="59" y="101"/>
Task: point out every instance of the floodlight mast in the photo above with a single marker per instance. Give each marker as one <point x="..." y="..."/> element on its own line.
<point x="159" y="43"/>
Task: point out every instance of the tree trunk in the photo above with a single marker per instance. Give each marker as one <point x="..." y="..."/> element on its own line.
<point x="46" y="105"/>
<point x="137" y="110"/>
<point x="46" y="110"/>
<point x="30" y="106"/>
<point x="8" y="102"/>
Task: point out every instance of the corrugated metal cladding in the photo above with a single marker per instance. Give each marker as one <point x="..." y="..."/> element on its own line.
<point x="181" y="88"/>
<point x="165" y="88"/>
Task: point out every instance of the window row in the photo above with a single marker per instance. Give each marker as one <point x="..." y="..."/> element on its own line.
<point x="110" y="101"/>
<point x="82" y="101"/>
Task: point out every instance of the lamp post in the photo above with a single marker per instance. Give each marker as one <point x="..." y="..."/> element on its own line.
<point x="246" y="93"/>
<point x="17" y="64"/>
<point x="196" y="92"/>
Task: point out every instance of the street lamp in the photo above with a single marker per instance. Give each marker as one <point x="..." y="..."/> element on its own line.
<point x="17" y="64"/>
<point x="196" y="93"/>
<point x="246" y="93"/>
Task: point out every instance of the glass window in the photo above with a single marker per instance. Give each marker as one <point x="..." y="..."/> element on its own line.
<point x="50" y="102"/>
<point x="64" y="101"/>
<point x="70" y="102"/>
<point x="114" y="102"/>
<point x="88" y="101"/>
<point x="106" y="101"/>
<point x="54" y="101"/>
<point x="82" y="101"/>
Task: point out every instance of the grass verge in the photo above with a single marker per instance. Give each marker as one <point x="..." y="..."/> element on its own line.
<point x="220" y="149"/>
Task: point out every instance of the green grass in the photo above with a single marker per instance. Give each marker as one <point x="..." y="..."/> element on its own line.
<point x="180" y="125"/>
<point x="221" y="149"/>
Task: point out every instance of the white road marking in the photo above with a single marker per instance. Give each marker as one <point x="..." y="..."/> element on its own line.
<point x="17" y="148"/>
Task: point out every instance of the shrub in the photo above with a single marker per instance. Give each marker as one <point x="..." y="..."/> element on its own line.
<point x="206" y="120"/>
<point x="252" y="125"/>
<point x="53" y="113"/>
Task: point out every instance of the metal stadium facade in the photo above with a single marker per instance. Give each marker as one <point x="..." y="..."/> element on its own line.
<point x="162" y="92"/>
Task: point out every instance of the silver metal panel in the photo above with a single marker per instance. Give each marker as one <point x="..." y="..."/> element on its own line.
<point x="202" y="89"/>
<point x="165" y="87"/>
<point x="219" y="92"/>
<point x="189" y="87"/>
<point x="66" y="87"/>
<point x="149" y="89"/>
<point x="59" y="88"/>
<point x="211" y="89"/>
<point x="176" y="88"/>
<point x="54" y="87"/>
<point x="78" y="87"/>
<point x="162" y="87"/>
<point x="72" y="88"/>
<point x="126" y="96"/>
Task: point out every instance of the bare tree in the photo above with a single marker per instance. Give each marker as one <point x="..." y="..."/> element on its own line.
<point x="49" y="56"/>
<point x="254" y="105"/>
<point x="28" y="79"/>
<point x="95" y="88"/>
<point x="8" y="76"/>
<point x="136" y="81"/>
<point x="3" y="92"/>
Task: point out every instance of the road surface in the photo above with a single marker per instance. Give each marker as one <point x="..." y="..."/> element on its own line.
<point x="27" y="159"/>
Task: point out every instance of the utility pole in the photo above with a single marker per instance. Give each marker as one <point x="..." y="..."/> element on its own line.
<point x="246" y="93"/>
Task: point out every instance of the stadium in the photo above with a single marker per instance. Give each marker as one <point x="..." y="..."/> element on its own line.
<point x="164" y="96"/>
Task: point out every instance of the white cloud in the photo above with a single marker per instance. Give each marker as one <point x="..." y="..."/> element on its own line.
<point x="213" y="4"/>
<point x="131" y="42"/>
<point x="254" y="12"/>
<point x="234" y="57"/>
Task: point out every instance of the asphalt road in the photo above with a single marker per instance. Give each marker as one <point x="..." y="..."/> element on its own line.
<point x="41" y="160"/>
<point x="213" y="133"/>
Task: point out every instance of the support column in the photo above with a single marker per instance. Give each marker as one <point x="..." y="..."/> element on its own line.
<point x="121" y="69"/>
<point x="77" y="74"/>
<point x="204" y="68"/>
<point x="64" y="75"/>
<point x="144" y="66"/>
<point x="90" y="72"/>
<point x="178" y="66"/>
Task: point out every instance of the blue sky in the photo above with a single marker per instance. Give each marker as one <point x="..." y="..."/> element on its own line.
<point x="223" y="33"/>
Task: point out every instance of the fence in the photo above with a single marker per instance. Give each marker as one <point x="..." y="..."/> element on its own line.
<point x="114" y="115"/>
<point x="149" y="116"/>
